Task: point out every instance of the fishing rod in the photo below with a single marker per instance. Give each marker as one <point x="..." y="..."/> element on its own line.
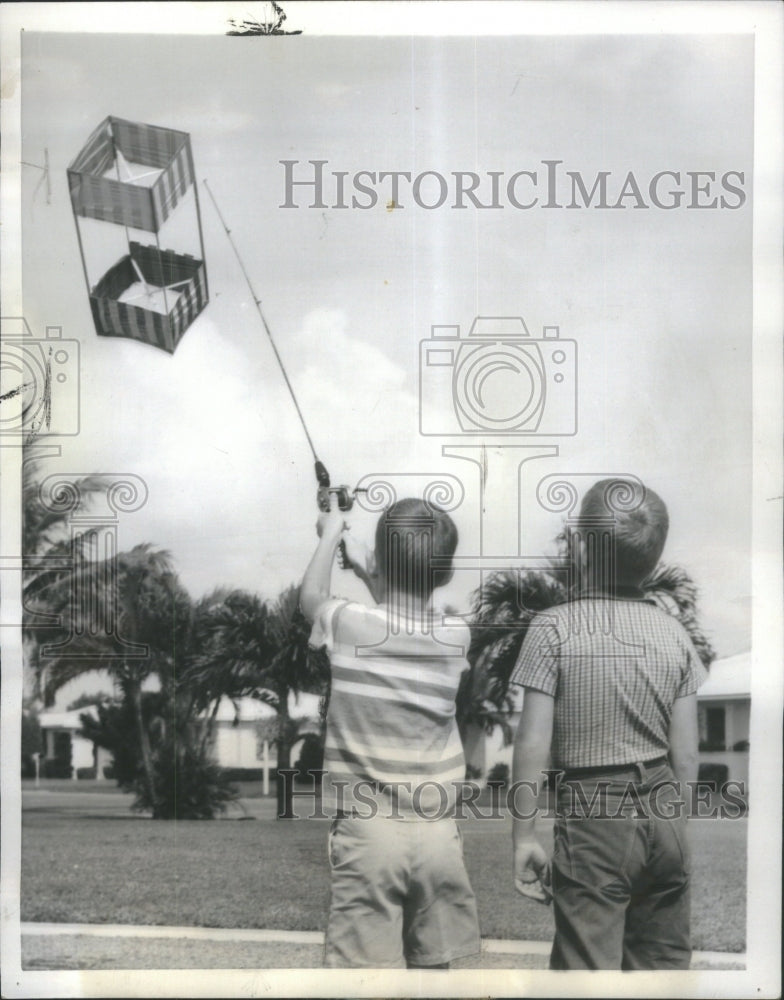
<point x="343" y="494"/>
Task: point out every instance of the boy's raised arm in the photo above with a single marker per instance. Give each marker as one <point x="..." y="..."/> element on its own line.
<point x="362" y="561"/>
<point x="316" y="582"/>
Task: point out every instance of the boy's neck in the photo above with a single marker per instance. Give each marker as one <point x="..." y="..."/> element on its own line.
<point x="631" y="591"/>
<point x="590" y="582"/>
<point x="408" y="604"/>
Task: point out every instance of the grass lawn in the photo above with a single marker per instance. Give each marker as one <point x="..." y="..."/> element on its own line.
<point x="86" y="860"/>
<point x="61" y="785"/>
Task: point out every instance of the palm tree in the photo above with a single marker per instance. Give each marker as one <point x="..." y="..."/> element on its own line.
<point x="502" y="610"/>
<point x="45" y="525"/>
<point x="154" y="612"/>
<point x="476" y="708"/>
<point x="140" y="593"/>
<point x="203" y="674"/>
<point x="675" y="592"/>
<point x="260" y="649"/>
<point x="295" y="668"/>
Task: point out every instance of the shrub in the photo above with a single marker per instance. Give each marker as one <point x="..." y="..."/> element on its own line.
<point x="85" y="773"/>
<point x="498" y="774"/>
<point x="311" y="756"/>
<point x="188" y="783"/>
<point x="32" y="742"/>
<point x="713" y="775"/>
<point x="56" y="767"/>
<point x="242" y="773"/>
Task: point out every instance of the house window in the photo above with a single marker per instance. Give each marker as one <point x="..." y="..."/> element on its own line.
<point x="62" y="746"/>
<point x="713" y="728"/>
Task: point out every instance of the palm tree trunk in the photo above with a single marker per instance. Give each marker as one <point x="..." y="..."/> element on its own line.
<point x="284" y="787"/>
<point x="208" y="726"/>
<point x="144" y="744"/>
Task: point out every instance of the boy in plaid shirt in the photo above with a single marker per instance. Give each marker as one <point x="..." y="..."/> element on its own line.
<point x="610" y="686"/>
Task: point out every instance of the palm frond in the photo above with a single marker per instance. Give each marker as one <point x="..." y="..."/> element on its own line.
<point x="503" y="608"/>
<point x="42" y="526"/>
<point x="675" y="592"/>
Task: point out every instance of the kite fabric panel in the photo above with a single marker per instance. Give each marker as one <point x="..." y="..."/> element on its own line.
<point x="159" y="270"/>
<point x="151" y="295"/>
<point x="124" y="201"/>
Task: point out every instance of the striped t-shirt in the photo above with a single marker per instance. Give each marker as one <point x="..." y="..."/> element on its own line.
<point x="614" y="668"/>
<point x="392" y="737"/>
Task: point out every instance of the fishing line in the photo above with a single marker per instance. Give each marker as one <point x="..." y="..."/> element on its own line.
<point x="343" y="494"/>
<point x="257" y="302"/>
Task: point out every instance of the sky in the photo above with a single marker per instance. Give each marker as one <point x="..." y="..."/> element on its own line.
<point x="658" y="302"/>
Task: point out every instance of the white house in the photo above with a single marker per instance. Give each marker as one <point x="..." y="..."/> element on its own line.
<point x="243" y="730"/>
<point x="242" y="735"/>
<point x="63" y="742"/>
<point x="723" y="708"/>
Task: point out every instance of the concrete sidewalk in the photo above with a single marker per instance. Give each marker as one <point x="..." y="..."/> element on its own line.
<point x="130" y="946"/>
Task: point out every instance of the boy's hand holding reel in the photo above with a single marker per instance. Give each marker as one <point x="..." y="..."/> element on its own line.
<point x="351" y="554"/>
<point x="343" y="494"/>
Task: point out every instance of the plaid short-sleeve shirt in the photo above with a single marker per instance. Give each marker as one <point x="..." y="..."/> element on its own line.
<point x="614" y="668"/>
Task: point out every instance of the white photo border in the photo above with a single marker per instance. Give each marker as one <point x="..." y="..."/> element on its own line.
<point x="763" y="20"/>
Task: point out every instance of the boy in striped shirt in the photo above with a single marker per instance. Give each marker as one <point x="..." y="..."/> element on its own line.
<point x="400" y="894"/>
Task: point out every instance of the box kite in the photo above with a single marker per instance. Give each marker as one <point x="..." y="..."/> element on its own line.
<point x="135" y="176"/>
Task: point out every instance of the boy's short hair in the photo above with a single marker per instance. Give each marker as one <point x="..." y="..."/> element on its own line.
<point x="409" y="535"/>
<point x="640" y="522"/>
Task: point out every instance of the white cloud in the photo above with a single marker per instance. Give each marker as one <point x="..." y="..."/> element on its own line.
<point x="350" y="391"/>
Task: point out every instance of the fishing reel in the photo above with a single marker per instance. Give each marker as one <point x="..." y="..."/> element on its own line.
<point x="345" y="495"/>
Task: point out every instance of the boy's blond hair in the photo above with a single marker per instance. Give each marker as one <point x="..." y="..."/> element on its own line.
<point x="639" y="527"/>
<point x="415" y="542"/>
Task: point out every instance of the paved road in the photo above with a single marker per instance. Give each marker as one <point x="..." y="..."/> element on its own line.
<point x="127" y="946"/>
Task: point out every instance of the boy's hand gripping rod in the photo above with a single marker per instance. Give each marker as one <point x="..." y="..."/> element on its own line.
<point x="344" y="494"/>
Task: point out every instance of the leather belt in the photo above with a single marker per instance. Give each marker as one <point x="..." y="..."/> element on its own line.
<point x="634" y="769"/>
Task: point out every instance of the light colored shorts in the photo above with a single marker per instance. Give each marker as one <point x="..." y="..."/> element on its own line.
<point x="400" y="894"/>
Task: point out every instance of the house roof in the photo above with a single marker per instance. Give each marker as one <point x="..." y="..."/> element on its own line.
<point x="728" y="678"/>
<point x="65" y="720"/>
<point x="306" y="706"/>
<point x="253" y="710"/>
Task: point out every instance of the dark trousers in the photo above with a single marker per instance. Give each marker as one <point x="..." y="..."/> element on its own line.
<point x="621" y="872"/>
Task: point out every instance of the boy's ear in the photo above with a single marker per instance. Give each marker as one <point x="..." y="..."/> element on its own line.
<point x="444" y="576"/>
<point x="581" y="553"/>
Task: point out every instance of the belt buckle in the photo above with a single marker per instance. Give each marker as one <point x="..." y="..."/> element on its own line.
<point x="646" y="768"/>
